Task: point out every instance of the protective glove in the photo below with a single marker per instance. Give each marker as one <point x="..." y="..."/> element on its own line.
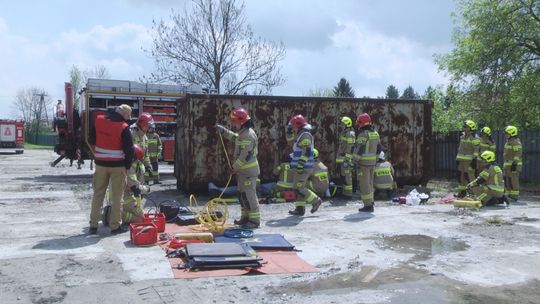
<point x="513" y="168"/>
<point x="220" y="128"/>
<point x="289" y="129"/>
<point x="474" y="163"/>
<point x="470" y="185"/>
<point x="145" y="189"/>
<point x="136" y="191"/>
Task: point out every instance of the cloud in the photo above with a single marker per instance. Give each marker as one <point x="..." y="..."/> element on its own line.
<point x="46" y="63"/>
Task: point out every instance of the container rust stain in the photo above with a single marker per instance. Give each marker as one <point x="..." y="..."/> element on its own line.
<point x="404" y="126"/>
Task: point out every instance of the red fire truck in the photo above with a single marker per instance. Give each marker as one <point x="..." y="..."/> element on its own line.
<point x="102" y="95"/>
<point x="12" y="135"/>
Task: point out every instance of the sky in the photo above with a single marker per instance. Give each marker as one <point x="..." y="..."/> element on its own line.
<point x="371" y="43"/>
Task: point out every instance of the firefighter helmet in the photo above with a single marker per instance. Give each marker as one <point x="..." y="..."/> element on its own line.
<point x="239" y="116"/>
<point x="488" y="156"/>
<point x="124" y="109"/>
<point x="315" y="153"/>
<point x="471" y="124"/>
<point x="144" y="120"/>
<point x="139" y="152"/>
<point x="347" y="121"/>
<point x="298" y="121"/>
<point x="486" y="130"/>
<point x="363" y="120"/>
<point x="511" y="130"/>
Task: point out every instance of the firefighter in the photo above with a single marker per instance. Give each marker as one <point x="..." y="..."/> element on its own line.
<point x="344" y="156"/>
<point x="467" y="155"/>
<point x="489" y="185"/>
<point x="154" y="151"/>
<point x="245" y="166"/>
<point x="132" y="207"/>
<point x="512" y="162"/>
<point x="486" y="141"/>
<point x="368" y="146"/>
<point x="302" y="164"/>
<point x="318" y="181"/>
<point x="112" y="147"/>
<point x="283" y="190"/>
<point x="138" y="133"/>
<point x="383" y="179"/>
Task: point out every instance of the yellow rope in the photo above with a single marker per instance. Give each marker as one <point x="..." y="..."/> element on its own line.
<point x="209" y="216"/>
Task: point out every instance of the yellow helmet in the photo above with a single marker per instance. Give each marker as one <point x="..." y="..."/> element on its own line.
<point x="347" y="121"/>
<point x="488" y="156"/>
<point x="511" y="130"/>
<point x="315" y="153"/>
<point x="486" y="130"/>
<point x="471" y="124"/>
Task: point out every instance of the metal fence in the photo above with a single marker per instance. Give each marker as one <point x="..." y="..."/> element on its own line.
<point x="445" y="149"/>
<point x="42" y="139"/>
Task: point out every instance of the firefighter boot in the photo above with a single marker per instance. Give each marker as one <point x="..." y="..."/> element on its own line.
<point x="316" y="204"/>
<point x="251" y="225"/>
<point x="369" y="208"/>
<point x="299" y="210"/>
<point x="242" y="221"/>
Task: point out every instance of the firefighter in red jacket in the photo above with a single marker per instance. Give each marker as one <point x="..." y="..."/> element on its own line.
<point x="113" y="153"/>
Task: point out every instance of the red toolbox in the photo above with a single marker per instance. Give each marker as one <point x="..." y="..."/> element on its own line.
<point x="157" y="218"/>
<point x="143" y="233"/>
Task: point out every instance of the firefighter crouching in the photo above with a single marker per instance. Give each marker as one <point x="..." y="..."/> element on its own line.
<point x="112" y="146"/>
<point x="302" y="164"/>
<point x="488" y="187"/>
<point x="154" y="151"/>
<point x="138" y="133"/>
<point x="467" y="155"/>
<point x="319" y="181"/>
<point x="383" y="180"/>
<point x="512" y="162"/>
<point x="245" y="166"/>
<point x="283" y="191"/>
<point x="368" y="146"/>
<point x="344" y="155"/>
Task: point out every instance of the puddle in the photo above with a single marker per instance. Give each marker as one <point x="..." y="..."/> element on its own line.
<point x="422" y="246"/>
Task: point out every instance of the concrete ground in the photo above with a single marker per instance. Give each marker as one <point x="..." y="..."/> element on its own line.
<point x="400" y="254"/>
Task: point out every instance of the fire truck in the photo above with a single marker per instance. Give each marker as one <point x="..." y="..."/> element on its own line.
<point x="12" y="135"/>
<point x="100" y="96"/>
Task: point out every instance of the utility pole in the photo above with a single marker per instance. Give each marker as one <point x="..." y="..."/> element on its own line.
<point x="39" y="114"/>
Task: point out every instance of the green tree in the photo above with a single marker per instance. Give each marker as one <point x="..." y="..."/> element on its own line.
<point x="343" y="89"/>
<point x="495" y="63"/>
<point x="409" y="93"/>
<point x="392" y="92"/>
<point x="76" y="79"/>
<point x="212" y="45"/>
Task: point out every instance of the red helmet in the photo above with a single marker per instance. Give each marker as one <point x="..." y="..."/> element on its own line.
<point x="139" y="152"/>
<point x="144" y="120"/>
<point x="239" y="116"/>
<point x="363" y="120"/>
<point x="298" y="121"/>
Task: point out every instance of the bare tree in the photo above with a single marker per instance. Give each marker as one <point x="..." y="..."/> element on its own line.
<point x="212" y="46"/>
<point x="31" y="105"/>
<point x="79" y="79"/>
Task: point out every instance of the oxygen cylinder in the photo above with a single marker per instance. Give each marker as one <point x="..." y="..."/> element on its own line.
<point x="203" y="236"/>
<point x="467" y="204"/>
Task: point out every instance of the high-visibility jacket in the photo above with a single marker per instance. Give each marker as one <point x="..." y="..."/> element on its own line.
<point x="469" y="147"/>
<point x="486" y="144"/>
<point x="345" y="146"/>
<point x="109" y="145"/>
<point x="367" y="143"/>
<point x="140" y="138"/>
<point x="491" y="177"/>
<point x="513" y="153"/>
<point x="245" y="151"/>
<point x="303" y="149"/>
<point x="319" y="181"/>
<point x="154" y="145"/>
<point x="384" y="176"/>
<point x="285" y="175"/>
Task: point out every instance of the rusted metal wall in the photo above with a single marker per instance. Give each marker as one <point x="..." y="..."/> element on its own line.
<point x="404" y="126"/>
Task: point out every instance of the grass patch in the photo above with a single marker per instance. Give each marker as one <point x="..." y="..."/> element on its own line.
<point x="495" y="220"/>
<point x="37" y="147"/>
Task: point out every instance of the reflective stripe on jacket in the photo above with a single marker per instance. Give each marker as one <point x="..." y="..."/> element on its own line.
<point x="469" y="146"/>
<point x="303" y="150"/>
<point x="513" y="153"/>
<point x="346" y="144"/>
<point x="154" y="145"/>
<point x="366" y="147"/>
<point x="384" y="176"/>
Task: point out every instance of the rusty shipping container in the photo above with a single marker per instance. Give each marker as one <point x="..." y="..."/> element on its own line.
<point x="404" y="127"/>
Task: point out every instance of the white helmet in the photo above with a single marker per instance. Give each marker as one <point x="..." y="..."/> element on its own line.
<point x="381" y="155"/>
